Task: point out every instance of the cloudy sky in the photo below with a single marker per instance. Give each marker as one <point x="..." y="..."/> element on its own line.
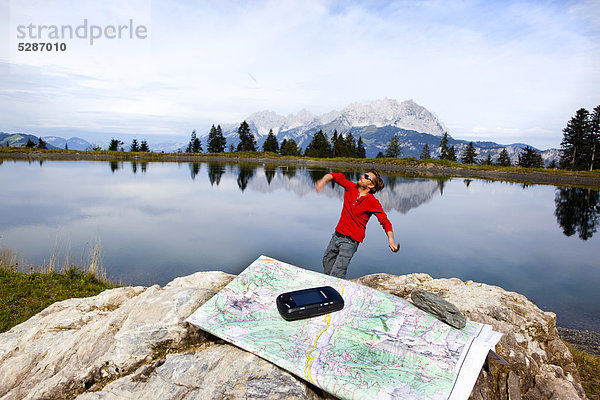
<point x="507" y="71"/>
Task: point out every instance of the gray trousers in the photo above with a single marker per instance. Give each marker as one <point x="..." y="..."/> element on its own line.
<point x="338" y="254"/>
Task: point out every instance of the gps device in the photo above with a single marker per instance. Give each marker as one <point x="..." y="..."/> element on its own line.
<point x="308" y="303"/>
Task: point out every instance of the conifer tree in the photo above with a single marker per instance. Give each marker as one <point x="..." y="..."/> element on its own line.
<point x="451" y="154"/>
<point x="594" y="138"/>
<point x="349" y="145"/>
<point x="444" y="147"/>
<point x="573" y="146"/>
<point x="216" y="140"/>
<point x="30" y="143"/>
<point x="425" y="153"/>
<point x="393" y="149"/>
<point x="530" y="158"/>
<point x="289" y="148"/>
<point x="319" y="146"/>
<point x="247" y="140"/>
<point x="42" y="144"/>
<point x="114" y="144"/>
<point x="361" y="152"/>
<point x="144" y="146"/>
<point x="488" y="160"/>
<point x="503" y="158"/>
<point x="469" y="155"/>
<point x="195" y="145"/>
<point x="134" y="145"/>
<point x="335" y="144"/>
<point x="271" y="143"/>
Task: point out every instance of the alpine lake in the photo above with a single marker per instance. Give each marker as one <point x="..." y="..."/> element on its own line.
<point x="156" y="221"/>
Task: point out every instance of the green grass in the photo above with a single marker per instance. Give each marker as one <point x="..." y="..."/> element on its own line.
<point x="24" y="294"/>
<point x="589" y="370"/>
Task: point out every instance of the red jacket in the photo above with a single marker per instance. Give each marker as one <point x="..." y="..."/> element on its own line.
<point x="357" y="211"/>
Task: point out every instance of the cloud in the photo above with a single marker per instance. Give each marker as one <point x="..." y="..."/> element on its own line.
<point x="519" y="64"/>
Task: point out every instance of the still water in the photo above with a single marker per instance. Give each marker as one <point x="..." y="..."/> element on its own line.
<point x="157" y="221"/>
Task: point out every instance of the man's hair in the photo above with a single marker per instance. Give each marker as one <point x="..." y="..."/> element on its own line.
<point x="378" y="181"/>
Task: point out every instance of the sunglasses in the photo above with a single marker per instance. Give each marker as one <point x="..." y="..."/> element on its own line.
<point x="366" y="176"/>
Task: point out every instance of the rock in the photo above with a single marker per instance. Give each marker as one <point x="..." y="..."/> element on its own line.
<point x="443" y="310"/>
<point x="133" y="342"/>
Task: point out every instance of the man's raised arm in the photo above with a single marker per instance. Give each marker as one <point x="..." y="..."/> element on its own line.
<point x="320" y="184"/>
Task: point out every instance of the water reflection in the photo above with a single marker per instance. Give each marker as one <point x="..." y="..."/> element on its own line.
<point x="215" y="172"/>
<point x="577" y="210"/>
<point x="194" y="169"/>
<point x="162" y="224"/>
<point x="245" y="173"/>
<point x="117" y="165"/>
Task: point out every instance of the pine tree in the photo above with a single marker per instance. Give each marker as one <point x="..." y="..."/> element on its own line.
<point x="488" y="160"/>
<point x="573" y="146"/>
<point x="144" y="146"/>
<point x="530" y="158"/>
<point x="335" y="144"/>
<point x="195" y="145"/>
<point x="41" y="144"/>
<point x="319" y="146"/>
<point x="594" y="138"/>
<point x="114" y="145"/>
<point x="451" y="154"/>
<point x="134" y="145"/>
<point x="361" y="152"/>
<point x="444" y="147"/>
<point x="349" y="146"/>
<point x="503" y="158"/>
<point x="216" y="140"/>
<point x="393" y="149"/>
<point x="271" y="143"/>
<point x="30" y="143"/>
<point x="289" y="148"/>
<point x="247" y="140"/>
<point x="469" y="155"/>
<point x="425" y="153"/>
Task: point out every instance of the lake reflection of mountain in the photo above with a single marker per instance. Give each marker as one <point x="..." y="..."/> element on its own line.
<point x="401" y="195"/>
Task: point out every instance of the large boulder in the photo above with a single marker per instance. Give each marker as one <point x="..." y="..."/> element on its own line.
<point x="133" y="342"/>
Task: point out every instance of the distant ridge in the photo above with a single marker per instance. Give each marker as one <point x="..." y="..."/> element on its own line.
<point x="376" y="123"/>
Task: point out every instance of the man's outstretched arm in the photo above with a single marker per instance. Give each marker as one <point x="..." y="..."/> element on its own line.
<point x="320" y="184"/>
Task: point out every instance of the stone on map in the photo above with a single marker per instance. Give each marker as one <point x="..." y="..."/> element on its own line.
<point x="443" y="310"/>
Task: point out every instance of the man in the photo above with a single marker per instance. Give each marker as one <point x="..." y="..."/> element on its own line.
<point x="359" y="205"/>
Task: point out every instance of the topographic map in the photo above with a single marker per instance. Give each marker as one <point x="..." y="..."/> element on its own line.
<point x="379" y="346"/>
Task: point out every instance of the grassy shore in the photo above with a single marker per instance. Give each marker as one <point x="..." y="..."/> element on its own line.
<point x="407" y="166"/>
<point x="588" y="366"/>
<point x="26" y="290"/>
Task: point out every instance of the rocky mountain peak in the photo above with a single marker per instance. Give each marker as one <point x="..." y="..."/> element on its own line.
<point x="389" y="112"/>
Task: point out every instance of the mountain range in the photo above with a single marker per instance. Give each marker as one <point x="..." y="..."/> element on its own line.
<point x="376" y="123"/>
<point x="52" y="142"/>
